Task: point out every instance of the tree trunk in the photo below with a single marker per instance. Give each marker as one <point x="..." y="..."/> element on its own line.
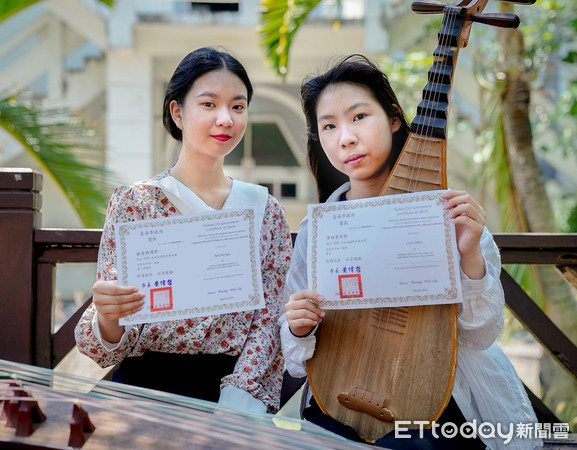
<point x="560" y="304"/>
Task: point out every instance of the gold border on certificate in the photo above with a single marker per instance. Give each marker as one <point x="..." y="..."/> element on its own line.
<point x="450" y="294"/>
<point x="253" y="298"/>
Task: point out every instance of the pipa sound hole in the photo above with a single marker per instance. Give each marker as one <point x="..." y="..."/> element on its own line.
<point x="390" y="319"/>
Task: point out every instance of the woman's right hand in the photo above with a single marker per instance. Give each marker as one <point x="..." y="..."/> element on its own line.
<point x="303" y="312"/>
<point x="112" y="303"/>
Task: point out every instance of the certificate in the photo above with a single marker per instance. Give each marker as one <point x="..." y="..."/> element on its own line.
<point x="191" y="266"/>
<point x="396" y="250"/>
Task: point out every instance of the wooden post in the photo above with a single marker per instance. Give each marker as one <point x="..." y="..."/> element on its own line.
<point x="20" y="203"/>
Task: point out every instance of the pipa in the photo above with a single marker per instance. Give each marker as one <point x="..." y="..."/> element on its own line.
<point x="373" y="367"/>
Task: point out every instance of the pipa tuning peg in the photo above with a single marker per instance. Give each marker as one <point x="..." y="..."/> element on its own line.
<point x="502" y="20"/>
<point x="435" y="7"/>
<point x="428" y="7"/>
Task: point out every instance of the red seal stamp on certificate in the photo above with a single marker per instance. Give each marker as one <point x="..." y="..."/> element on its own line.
<point x="161" y="299"/>
<point x="350" y="286"/>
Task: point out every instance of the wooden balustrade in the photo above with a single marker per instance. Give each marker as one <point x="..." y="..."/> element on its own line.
<point x="30" y="254"/>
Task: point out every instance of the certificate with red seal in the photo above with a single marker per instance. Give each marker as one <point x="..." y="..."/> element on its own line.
<point x="396" y="250"/>
<point x="191" y="266"/>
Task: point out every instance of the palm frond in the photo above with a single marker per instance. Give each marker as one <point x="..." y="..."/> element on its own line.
<point x="10" y="7"/>
<point x="497" y="169"/>
<point x="64" y="147"/>
<point x="280" y="19"/>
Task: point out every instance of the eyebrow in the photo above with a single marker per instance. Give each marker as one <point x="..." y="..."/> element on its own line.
<point x="212" y="95"/>
<point x="349" y="109"/>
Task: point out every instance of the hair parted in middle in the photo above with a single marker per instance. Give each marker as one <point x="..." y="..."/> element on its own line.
<point x="192" y="66"/>
<point x="357" y="69"/>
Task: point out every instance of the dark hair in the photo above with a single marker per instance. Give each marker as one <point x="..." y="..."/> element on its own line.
<point x="192" y="66"/>
<point x="360" y="70"/>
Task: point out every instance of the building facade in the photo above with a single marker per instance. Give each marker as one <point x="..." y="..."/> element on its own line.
<point x="112" y="65"/>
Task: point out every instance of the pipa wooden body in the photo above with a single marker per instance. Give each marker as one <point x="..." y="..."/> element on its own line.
<point x="373" y="367"/>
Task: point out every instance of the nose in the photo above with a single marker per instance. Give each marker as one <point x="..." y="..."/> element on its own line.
<point x="348" y="138"/>
<point x="224" y="119"/>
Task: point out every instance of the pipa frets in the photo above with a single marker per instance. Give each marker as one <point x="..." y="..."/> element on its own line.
<point x="432" y="113"/>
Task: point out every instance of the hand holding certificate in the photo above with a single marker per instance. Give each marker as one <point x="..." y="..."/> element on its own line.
<point x="191" y="266"/>
<point x="397" y="250"/>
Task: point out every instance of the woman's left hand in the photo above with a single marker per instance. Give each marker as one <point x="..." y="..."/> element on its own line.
<point x="469" y="219"/>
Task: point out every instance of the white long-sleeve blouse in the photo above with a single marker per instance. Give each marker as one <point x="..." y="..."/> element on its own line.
<point x="487" y="388"/>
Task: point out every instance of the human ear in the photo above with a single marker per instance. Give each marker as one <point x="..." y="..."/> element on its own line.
<point x="176" y="113"/>
<point x="395" y="120"/>
<point x="395" y="124"/>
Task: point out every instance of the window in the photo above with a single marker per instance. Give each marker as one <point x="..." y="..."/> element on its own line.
<point x="215" y="6"/>
<point x="288" y="190"/>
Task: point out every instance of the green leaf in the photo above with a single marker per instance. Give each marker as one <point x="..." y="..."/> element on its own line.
<point x="60" y="142"/>
<point x="571" y="57"/>
<point x="64" y="147"/>
<point x="10" y="7"/>
<point x="279" y="21"/>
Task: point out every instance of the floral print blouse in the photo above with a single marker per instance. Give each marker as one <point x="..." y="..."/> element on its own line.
<point x="253" y="336"/>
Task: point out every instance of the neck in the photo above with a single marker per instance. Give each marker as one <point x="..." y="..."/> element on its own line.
<point x="198" y="173"/>
<point x="205" y="177"/>
<point x="367" y="188"/>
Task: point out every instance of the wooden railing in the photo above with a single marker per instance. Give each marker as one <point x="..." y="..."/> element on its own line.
<point x="30" y="253"/>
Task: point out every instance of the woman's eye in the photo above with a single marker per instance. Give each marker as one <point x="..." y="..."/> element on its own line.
<point x="238" y="107"/>
<point x="208" y="104"/>
<point x="328" y="126"/>
<point x="360" y="116"/>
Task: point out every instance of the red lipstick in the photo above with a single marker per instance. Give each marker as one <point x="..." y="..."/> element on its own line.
<point x="221" y="137"/>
